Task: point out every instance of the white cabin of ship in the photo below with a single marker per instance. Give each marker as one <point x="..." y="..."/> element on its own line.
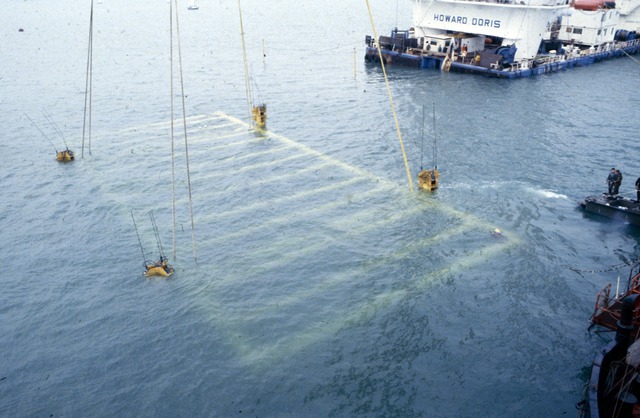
<point x="589" y="27"/>
<point x="445" y="44"/>
<point x="518" y="22"/>
<point x="437" y="45"/>
<point x="629" y="14"/>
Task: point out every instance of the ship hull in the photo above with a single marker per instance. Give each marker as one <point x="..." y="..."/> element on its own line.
<point x="618" y="208"/>
<point x="545" y="65"/>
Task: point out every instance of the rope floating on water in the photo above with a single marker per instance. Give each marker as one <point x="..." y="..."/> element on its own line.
<point x="608" y="269"/>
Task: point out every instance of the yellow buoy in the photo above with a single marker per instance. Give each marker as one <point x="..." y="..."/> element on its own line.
<point x="428" y="179"/>
<point x="159" y="268"/>
<point x="259" y="114"/>
<point x="64" y="156"/>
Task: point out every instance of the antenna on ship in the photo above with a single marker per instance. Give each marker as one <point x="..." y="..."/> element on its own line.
<point x="428" y="179"/>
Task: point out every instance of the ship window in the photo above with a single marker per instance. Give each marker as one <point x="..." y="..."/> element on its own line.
<point x="577" y="30"/>
<point x="605" y="31"/>
<point x="600" y="30"/>
<point x="569" y="29"/>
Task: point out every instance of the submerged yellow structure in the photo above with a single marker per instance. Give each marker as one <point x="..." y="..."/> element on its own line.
<point x="259" y="114"/>
<point x="428" y="179"/>
<point x="159" y="268"/>
<point x="64" y="156"/>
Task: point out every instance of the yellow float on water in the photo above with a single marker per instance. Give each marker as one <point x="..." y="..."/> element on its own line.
<point x="259" y="114"/>
<point x="64" y="156"/>
<point x="428" y="179"/>
<point x="159" y="268"/>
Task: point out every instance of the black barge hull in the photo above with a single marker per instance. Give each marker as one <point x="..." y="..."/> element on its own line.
<point x="614" y="207"/>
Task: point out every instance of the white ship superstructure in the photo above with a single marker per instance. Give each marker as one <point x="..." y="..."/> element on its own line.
<point x="590" y="24"/>
<point x="511" y="38"/>
<point x="515" y="22"/>
<point x="629" y="14"/>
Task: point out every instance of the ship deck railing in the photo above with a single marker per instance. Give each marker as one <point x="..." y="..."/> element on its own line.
<point x="608" y="309"/>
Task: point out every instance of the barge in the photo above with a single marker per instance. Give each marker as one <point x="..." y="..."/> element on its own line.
<point x="511" y="38"/>
<point x="614" y="207"/>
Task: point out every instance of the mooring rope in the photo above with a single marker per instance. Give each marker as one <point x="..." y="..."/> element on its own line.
<point x="173" y="187"/>
<point x="627" y="54"/>
<point x="393" y="109"/>
<point x="608" y="269"/>
<point x="246" y="69"/>
<point x="186" y="144"/>
<point x="88" y="84"/>
<point x="144" y="257"/>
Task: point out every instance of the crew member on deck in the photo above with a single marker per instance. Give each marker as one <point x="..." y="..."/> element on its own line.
<point x="611" y="179"/>
<point x="618" y="182"/>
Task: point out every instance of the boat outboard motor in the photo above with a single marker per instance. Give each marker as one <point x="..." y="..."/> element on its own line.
<point x="625" y="324"/>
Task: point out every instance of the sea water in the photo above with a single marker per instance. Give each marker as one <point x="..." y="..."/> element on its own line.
<point x="314" y="281"/>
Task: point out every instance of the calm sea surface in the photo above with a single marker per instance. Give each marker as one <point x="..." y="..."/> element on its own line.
<point x="322" y="285"/>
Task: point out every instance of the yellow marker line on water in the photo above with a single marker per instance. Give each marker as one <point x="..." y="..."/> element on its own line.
<point x="349" y="168"/>
<point x="319" y="284"/>
<point x="258" y="206"/>
<point x="291" y="343"/>
<point x="211" y="150"/>
<point x="266" y="179"/>
<point x="305" y="248"/>
<point x="220" y="126"/>
<point x="167" y="124"/>
<point x="310" y="333"/>
<point x="286" y="218"/>
<point x="311" y="151"/>
<point x="204" y="138"/>
<point x="238" y="159"/>
<point x="236" y="171"/>
<point x="283" y="245"/>
<point x="315" y="287"/>
<point x="327" y="159"/>
<point x="362" y="224"/>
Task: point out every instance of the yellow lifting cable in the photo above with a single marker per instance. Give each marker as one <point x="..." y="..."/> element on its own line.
<point x="393" y="109"/>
